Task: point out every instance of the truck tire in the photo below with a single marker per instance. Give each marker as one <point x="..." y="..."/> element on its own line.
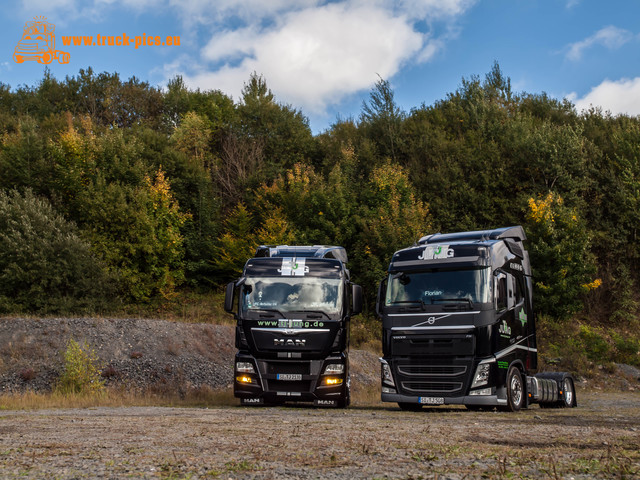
<point x="346" y="401"/>
<point x="568" y="397"/>
<point x="566" y="385"/>
<point x="515" y="391"/>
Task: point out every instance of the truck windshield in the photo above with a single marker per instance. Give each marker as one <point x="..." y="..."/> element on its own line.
<point x="288" y="294"/>
<point x="438" y="286"/>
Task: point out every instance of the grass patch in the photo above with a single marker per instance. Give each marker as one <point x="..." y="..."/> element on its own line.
<point x="202" y="397"/>
<point x="573" y="345"/>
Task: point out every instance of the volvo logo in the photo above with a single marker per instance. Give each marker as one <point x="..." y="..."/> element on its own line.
<point x="289" y="342"/>
<point x="431" y="320"/>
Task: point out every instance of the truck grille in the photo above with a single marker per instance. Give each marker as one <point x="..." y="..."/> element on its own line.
<point x="287" y="386"/>
<point x="288" y="367"/>
<point x="433" y="376"/>
<point x="432" y="370"/>
<point x="432" y="387"/>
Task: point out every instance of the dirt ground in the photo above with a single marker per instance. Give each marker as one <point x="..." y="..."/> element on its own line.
<point x="599" y="439"/>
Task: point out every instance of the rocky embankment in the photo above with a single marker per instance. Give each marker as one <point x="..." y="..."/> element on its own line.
<point x="138" y="355"/>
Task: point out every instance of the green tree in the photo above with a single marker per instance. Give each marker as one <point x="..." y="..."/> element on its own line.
<point x="382" y="119"/>
<point x="45" y="266"/>
<point x="563" y="265"/>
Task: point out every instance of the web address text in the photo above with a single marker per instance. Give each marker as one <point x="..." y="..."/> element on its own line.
<point x="123" y="40"/>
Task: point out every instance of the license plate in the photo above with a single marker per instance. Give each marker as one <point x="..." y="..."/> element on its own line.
<point x="289" y="376"/>
<point x="432" y="400"/>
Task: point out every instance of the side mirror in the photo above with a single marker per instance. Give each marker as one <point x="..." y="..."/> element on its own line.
<point x="381" y="291"/>
<point x="228" y="298"/>
<point x="356" y="298"/>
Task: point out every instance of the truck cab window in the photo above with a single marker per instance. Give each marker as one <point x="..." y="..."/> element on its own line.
<point x="501" y="291"/>
<point x="519" y="291"/>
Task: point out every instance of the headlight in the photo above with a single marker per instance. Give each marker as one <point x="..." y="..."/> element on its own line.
<point x="334" y="369"/>
<point x="332" y="381"/>
<point x="387" y="376"/>
<point x="482" y="391"/>
<point x="482" y="375"/>
<point x="245" y="367"/>
<point x="244" y="379"/>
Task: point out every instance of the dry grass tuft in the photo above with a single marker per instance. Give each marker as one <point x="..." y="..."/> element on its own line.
<point x="201" y="397"/>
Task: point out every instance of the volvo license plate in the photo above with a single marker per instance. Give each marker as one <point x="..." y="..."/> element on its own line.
<point x="289" y="376"/>
<point x="431" y="400"/>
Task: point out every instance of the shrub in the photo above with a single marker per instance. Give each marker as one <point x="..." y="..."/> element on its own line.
<point x="44" y="264"/>
<point x="81" y="373"/>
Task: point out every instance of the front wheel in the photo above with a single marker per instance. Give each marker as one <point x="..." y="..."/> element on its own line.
<point x="346" y="400"/>
<point x="515" y="390"/>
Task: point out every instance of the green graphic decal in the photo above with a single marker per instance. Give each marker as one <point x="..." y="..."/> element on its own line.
<point x="522" y="317"/>
<point x="503" y="364"/>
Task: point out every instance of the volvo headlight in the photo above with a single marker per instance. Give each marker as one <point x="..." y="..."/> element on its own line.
<point x="482" y="375"/>
<point x="387" y="376"/>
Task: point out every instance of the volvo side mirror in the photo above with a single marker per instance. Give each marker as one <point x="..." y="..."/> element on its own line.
<point x="356" y="298"/>
<point x="381" y="291"/>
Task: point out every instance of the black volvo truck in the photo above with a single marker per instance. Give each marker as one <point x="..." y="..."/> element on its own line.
<point x="459" y="326"/>
<point x="293" y="306"/>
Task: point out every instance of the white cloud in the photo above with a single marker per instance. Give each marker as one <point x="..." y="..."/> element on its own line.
<point x="617" y="97"/>
<point x="610" y="37"/>
<point x="313" y="53"/>
<point x="315" y="56"/>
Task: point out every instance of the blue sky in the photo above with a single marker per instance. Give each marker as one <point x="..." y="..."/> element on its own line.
<point x="324" y="56"/>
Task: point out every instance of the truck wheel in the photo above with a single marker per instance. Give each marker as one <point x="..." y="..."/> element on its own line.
<point x="46" y="58"/>
<point x="568" y="399"/>
<point x="346" y="401"/>
<point x="409" y="407"/>
<point x="63" y="57"/>
<point x="515" y="391"/>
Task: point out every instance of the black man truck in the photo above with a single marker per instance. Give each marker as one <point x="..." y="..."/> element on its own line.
<point x="458" y="326"/>
<point x="293" y="305"/>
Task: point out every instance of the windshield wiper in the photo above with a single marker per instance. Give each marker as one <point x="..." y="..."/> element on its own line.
<point x="270" y="310"/>
<point x="414" y="302"/>
<point x="456" y="300"/>
<point x="314" y="311"/>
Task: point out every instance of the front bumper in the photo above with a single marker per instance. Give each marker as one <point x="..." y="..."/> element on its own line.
<point x="486" y="400"/>
<point x="278" y="382"/>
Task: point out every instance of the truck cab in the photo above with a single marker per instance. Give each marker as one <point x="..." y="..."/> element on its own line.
<point x="459" y="325"/>
<point x="293" y="305"/>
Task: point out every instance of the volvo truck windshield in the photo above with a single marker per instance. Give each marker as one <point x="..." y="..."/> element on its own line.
<point x="439" y="286"/>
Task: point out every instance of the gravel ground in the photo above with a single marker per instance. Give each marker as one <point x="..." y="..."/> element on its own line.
<point x="599" y="439"/>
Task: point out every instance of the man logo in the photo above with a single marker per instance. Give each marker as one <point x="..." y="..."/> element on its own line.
<point x="289" y="342"/>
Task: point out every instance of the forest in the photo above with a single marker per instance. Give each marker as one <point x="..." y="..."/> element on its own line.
<point x="116" y="195"/>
